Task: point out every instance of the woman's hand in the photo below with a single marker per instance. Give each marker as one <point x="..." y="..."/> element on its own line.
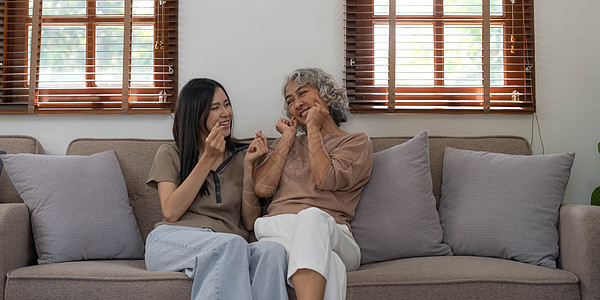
<point x="214" y="146"/>
<point x="317" y="116"/>
<point x="284" y="126"/>
<point x="258" y="147"/>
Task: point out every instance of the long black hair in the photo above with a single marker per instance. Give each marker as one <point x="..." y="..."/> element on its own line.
<point x="191" y="112"/>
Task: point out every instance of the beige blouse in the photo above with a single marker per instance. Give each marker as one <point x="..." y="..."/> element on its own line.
<point x="350" y="169"/>
<point x="220" y="210"/>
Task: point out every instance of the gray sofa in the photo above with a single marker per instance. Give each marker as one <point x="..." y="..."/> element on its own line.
<point x="438" y="277"/>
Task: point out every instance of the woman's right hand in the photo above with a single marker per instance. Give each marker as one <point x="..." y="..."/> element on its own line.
<point x="214" y="145"/>
<point x="285" y="125"/>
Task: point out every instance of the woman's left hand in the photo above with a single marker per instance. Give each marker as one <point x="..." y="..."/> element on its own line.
<point x="258" y="147"/>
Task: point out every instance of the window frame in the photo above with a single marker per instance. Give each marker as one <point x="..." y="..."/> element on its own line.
<point x="366" y="97"/>
<point x="97" y="99"/>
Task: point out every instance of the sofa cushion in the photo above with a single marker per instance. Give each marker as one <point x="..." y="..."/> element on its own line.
<point x="79" y="206"/>
<point x="15" y="144"/>
<point x="135" y="158"/>
<point x="460" y="277"/>
<point x="396" y="216"/>
<point x="116" y="279"/>
<point x="1" y="163"/>
<point x="457" y="277"/>
<point x="504" y="206"/>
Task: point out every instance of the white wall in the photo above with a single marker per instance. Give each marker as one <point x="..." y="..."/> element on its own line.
<point x="250" y="45"/>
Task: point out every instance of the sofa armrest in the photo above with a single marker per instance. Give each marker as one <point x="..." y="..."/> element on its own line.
<point x="580" y="246"/>
<point x="16" y="246"/>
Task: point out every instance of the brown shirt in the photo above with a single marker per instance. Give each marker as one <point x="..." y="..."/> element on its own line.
<point x="350" y="169"/>
<point x="220" y="210"/>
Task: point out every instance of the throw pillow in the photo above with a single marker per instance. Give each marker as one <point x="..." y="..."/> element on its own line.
<point x="501" y="205"/>
<point x="1" y="164"/>
<point x="396" y="216"/>
<point x="79" y="206"/>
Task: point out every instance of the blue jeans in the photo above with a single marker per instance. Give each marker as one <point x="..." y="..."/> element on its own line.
<point x="222" y="265"/>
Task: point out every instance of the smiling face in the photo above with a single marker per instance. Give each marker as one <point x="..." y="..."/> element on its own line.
<point x="220" y="111"/>
<point x="300" y="99"/>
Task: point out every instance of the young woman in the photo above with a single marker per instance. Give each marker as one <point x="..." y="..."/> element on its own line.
<point x="205" y="188"/>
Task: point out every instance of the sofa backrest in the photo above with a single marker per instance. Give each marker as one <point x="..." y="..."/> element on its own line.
<point x="437" y="144"/>
<point x="15" y="144"/>
<point x="135" y="157"/>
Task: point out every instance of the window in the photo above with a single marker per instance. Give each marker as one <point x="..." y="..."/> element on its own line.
<point x="88" y="56"/>
<point x="448" y="56"/>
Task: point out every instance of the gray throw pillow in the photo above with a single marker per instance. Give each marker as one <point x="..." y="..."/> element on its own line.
<point x="396" y="216"/>
<point x="79" y="206"/>
<point x="1" y="164"/>
<point x="504" y="206"/>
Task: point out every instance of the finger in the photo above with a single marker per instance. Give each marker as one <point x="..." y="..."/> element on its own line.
<point x="320" y="105"/>
<point x="252" y="147"/>
<point x="260" y="135"/>
<point x="260" y="143"/>
<point x="213" y="131"/>
<point x="221" y="145"/>
<point x="263" y="147"/>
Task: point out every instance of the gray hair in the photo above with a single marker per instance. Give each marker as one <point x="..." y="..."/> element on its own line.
<point x="330" y="90"/>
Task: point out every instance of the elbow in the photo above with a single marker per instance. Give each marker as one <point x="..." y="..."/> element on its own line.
<point x="262" y="190"/>
<point x="318" y="182"/>
<point x="170" y="217"/>
<point x="249" y="225"/>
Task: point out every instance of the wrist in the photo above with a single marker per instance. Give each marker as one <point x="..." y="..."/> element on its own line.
<point x="313" y="127"/>
<point x="208" y="158"/>
<point x="288" y="138"/>
<point x="248" y="166"/>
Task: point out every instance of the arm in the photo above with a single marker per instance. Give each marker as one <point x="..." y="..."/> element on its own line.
<point x="351" y="164"/>
<point x="15" y="233"/>
<point x="251" y="208"/>
<point x="580" y="245"/>
<point x="269" y="172"/>
<point x="317" y="156"/>
<point x="175" y="200"/>
<point x="318" y="119"/>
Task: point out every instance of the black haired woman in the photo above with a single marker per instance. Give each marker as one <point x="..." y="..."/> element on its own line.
<point x="204" y="183"/>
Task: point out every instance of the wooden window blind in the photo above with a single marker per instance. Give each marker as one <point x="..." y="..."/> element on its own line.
<point x="440" y="56"/>
<point x="88" y="56"/>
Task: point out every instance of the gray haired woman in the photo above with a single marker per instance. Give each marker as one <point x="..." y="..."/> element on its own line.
<point x="315" y="180"/>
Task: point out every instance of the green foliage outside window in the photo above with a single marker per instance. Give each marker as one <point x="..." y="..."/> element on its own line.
<point x="596" y="192"/>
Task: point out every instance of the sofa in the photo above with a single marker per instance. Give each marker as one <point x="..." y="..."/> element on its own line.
<point x="577" y="275"/>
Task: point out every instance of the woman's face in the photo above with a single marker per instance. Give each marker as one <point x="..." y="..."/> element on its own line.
<point x="220" y="112"/>
<point x="300" y="99"/>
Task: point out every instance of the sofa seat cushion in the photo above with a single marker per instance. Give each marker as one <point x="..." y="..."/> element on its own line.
<point x="114" y="279"/>
<point x="448" y="277"/>
<point x="460" y="277"/>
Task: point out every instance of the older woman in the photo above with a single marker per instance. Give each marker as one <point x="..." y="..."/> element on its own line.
<point x="315" y="180"/>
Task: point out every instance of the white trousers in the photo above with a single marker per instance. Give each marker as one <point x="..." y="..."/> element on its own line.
<point x="313" y="241"/>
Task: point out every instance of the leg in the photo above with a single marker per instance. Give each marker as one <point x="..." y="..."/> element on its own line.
<point x="268" y="268"/>
<point x="217" y="262"/>
<point x="324" y="247"/>
<point x="309" y="284"/>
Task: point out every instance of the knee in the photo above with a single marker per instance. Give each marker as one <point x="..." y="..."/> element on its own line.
<point x="233" y="242"/>
<point x="269" y="249"/>
<point x="313" y="216"/>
